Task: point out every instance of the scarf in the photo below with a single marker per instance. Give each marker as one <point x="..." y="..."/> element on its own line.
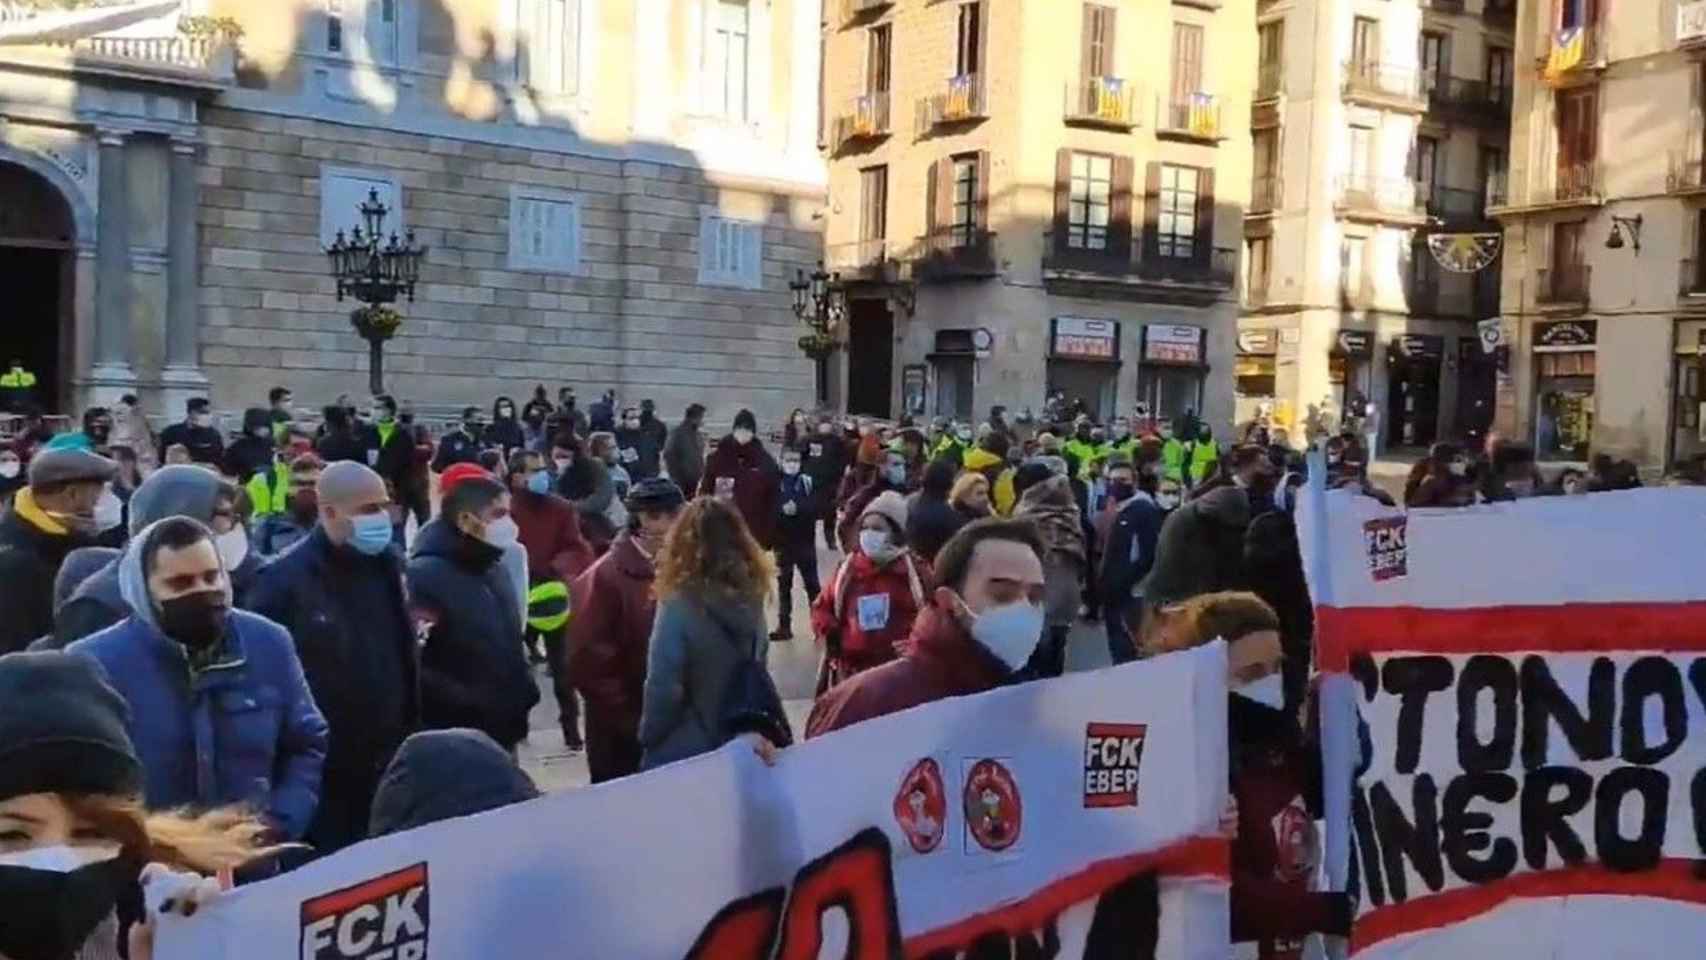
<point x="32" y="513"/>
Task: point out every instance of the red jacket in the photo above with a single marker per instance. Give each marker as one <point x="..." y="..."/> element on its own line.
<point x="551" y="534"/>
<point x="872" y="608"/>
<point x="941" y="661"/>
<point x="1275" y="855"/>
<point x="755" y="477"/>
<point x="608" y="641"/>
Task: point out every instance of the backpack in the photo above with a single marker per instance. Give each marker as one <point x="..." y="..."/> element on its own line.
<point x="750" y="702"/>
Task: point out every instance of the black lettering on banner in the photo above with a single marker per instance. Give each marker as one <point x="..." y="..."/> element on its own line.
<point x="1463" y="832"/>
<point x="1652" y="677"/>
<point x="1366" y="674"/>
<point x="1368" y="848"/>
<point x="1400" y="837"/>
<point x="1697" y="679"/>
<point x="1498" y="675"/>
<point x="1544" y="822"/>
<point x="1642" y="852"/>
<point x="1697" y="797"/>
<point x="1589" y="735"/>
<point x="1413" y="680"/>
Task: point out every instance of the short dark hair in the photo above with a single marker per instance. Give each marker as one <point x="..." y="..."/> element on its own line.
<point x="176" y="533"/>
<point x="695" y="411"/>
<point x="387" y="401"/>
<point x="518" y="460"/>
<point x="277" y="393"/>
<point x="195" y="404"/>
<point x="953" y="561"/>
<point x="473" y="495"/>
<point x="335" y="417"/>
<point x="939" y="476"/>
<point x="1246" y="455"/>
<point x="129" y="400"/>
<point x="471" y="413"/>
<point x="997" y="444"/>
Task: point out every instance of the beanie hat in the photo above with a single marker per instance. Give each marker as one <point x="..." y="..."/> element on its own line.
<point x="654" y="495"/>
<point x="63" y="729"/>
<point x="747" y="420"/>
<point x="448" y="480"/>
<point x="70" y="465"/>
<point x="889" y="505"/>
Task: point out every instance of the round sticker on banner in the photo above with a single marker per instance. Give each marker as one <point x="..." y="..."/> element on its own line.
<point x="994" y="813"/>
<point x="921" y="806"/>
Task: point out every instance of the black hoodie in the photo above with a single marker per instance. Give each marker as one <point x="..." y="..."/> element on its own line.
<point x="253" y="451"/>
<point x="444" y="774"/>
<point x="504" y="433"/>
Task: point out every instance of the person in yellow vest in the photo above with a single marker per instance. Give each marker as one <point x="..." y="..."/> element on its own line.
<point x="1082" y="444"/>
<point x="1172" y="455"/>
<point x="989" y="458"/>
<point x="17" y="388"/>
<point x="1204" y="455"/>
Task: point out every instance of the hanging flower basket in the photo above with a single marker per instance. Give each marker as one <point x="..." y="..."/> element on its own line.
<point x="818" y="345"/>
<point x="376" y="323"/>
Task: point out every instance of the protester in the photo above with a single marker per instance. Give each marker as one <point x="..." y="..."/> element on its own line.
<point x="890" y="478"/>
<point x="569" y="414"/>
<point x="867" y="464"/>
<point x="1512" y="474"/>
<point x="825" y="462"/>
<point x="440" y="775"/>
<point x="182" y="627"/>
<point x="460" y="444"/>
<point x="49" y="518"/>
<point x="970" y="497"/>
<point x="796" y="541"/>
<point x="712" y="580"/>
<point x="1445" y="479"/>
<point x="196" y="433"/>
<point x="981" y="631"/>
<point x="1572" y="482"/>
<point x="990" y="460"/>
<point x="684" y="451"/>
<point x="932" y="519"/>
<point x="339" y="440"/>
<point x="1128" y="554"/>
<point x="874" y="596"/>
<point x="641" y="445"/>
<point x="741" y="472"/>
<point x="473" y="671"/>
<point x="605" y="483"/>
<point x="1201" y="548"/>
<point x="251" y="453"/>
<point x="12" y="478"/>
<point x="601" y="416"/>
<point x="278" y="532"/>
<point x="557" y="553"/>
<point x="340" y="594"/>
<point x="609" y="635"/>
<point x="504" y="432"/>
<point x="1047" y="501"/>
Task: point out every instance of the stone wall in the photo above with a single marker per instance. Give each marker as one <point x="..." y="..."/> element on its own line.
<point x="634" y="317"/>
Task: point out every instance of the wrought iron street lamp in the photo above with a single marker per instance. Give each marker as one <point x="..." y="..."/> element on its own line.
<point x="374" y="270"/>
<point x="820" y="301"/>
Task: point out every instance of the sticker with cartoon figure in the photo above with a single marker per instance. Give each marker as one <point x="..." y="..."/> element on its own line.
<point x="921" y="806"/>
<point x="994" y="813"/>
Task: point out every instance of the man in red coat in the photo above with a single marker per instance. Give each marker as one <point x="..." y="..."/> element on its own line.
<point x="610" y="634"/>
<point x="985" y="624"/>
<point x="556" y="554"/>
<point x="740" y="470"/>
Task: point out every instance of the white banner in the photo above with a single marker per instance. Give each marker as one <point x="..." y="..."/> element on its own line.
<point x="1016" y="815"/>
<point x="1530" y="679"/>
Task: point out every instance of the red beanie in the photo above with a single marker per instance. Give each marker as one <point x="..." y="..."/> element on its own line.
<point x="448" y="480"/>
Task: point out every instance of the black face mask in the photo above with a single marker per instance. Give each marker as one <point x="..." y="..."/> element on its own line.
<point x="1120" y="490"/>
<point x="48" y="915"/>
<point x="1250" y="724"/>
<point x="196" y="620"/>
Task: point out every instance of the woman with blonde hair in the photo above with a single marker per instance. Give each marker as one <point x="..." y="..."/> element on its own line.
<point x="970" y="497"/>
<point x="74" y="838"/>
<point x="706" y="663"/>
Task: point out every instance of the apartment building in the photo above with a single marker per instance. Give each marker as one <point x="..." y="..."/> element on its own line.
<point x="613" y="193"/>
<point x="1605" y="234"/>
<point x="1037" y="195"/>
<point x="1377" y="123"/>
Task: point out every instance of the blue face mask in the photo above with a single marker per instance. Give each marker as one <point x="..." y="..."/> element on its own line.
<point x="370" y="533"/>
<point x="539" y="482"/>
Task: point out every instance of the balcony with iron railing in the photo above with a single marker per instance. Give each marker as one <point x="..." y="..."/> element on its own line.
<point x="1593" y="48"/>
<point x="1691" y="278"/>
<point x="855" y="10"/>
<point x="1268" y="80"/>
<point x="1218" y="270"/>
<point x="866" y="118"/>
<point x="1575" y="183"/>
<point x="1473" y="100"/>
<point x="959" y="100"/>
<point x="1374" y="83"/>
<point x="1687" y="170"/>
<point x="1107" y="102"/>
<point x="1375" y="198"/>
<point x="1455" y="206"/>
<point x="959" y="252"/>
<point x="858" y="260"/>
<point x="1182" y="281"/>
<point x="1193" y="117"/>
<point x="1498" y="189"/>
<point x="1563" y="287"/>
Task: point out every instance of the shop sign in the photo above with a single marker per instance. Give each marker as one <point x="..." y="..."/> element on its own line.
<point x="1691" y="22"/>
<point x="1566" y="334"/>
<point x="1165" y="344"/>
<point x="1420" y="346"/>
<point x="1355" y="343"/>
<point x="1258" y="342"/>
<point x="1079" y="338"/>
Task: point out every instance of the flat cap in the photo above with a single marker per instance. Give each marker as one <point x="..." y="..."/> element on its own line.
<point x="49" y="467"/>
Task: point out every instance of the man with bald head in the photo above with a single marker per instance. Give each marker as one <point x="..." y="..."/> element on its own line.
<point x="339" y="591"/>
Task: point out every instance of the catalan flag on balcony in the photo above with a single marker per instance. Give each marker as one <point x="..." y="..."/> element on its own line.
<point x="959" y="100"/>
<point x="1204" y="119"/>
<point x="1110" y="102"/>
<point x="1568" y="49"/>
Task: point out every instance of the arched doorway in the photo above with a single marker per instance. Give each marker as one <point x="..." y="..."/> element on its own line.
<point x="38" y="237"/>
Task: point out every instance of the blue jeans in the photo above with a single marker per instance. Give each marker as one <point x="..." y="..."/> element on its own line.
<point x="1122" y="646"/>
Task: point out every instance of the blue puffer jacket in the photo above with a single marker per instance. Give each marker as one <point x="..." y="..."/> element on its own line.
<point x="243" y="730"/>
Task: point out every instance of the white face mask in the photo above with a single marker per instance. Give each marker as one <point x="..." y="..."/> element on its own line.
<point x="60" y="858"/>
<point x="10" y="468"/>
<point x="1459" y="468"/>
<point x="1167" y="501"/>
<point x="233" y="546"/>
<point x="1011" y="632"/>
<point x="109" y="511"/>
<point x="201" y="419"/>
<point x="895" y="475"/>
<point x="790" y="468"/>
<point x="502" y="533"/>
<point x="1268" y="691"/>
<point x="743" y="436"/>
<point x="875" y="544"/>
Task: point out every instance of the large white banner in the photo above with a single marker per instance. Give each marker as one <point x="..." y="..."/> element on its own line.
<point x="1043" y="818"/>
<point x="1516" y="723"/>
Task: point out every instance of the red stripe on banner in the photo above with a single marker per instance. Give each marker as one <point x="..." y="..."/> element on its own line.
<point x="1343" y="632"/>
<point x="378" y="888"/>
<point x="1208" y="858"/>
<point x="1672" y="879"/>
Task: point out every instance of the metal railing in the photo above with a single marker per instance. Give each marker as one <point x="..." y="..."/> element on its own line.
<point x="1687" y="170"/>
<point x="1577" y="181"/>
<point x="1370" y="78"/>
<point x="867" y="117"/>
<point x="1475" y="98"/>
<point x="1195" y="115"/>
<point x="954" y="252"/>
<point x="961" y="98"/>
<point x="1059" y="256"/>
<point x="1456" y="205"/>
<point x="1498" y="189"/>
<point x="1593" y="45"/>
<point x="860" y="256"/>
<point x="1266" y="193"/>
<point x="1102" y="102"/>
<point x="1218" y="269"/>
<point x="1268" y="80"/>
<point x="1564" y="285"/>
<point x="196" y="53"/>
<point x="1377" y="195"/>
<point x="1691" y="277"/>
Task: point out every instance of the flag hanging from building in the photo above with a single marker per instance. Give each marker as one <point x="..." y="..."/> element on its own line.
<point x="1465" y="252"/>
<point x="1568" y="49"/>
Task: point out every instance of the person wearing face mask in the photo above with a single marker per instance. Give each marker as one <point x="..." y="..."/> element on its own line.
<point x="824" y="459"/>
<point x="684" y="450"/>
<point x="931" y="519"/>
<point x="980" y="632"/>
<point x="1128" y="553"/>
<point x="388" y="447"/>
<point x="12" y="477"/>
<point x="474" y="672"/>
<point x="50" y="517"/>
<point x="188" y="665"/>
<point x="1046" y="498"/>
<point x="609" y="635"/>
<point x="741" y="472"/>
<point x="1511" y="474"/>
<point x="278" y="532"/>
<point x="640" y="445"/>
<point x="1275" y="778"/>
<point x="339" y="591"/>
<point x="952" y="442"/>
<point x="504" y="433"/>
<point x="1443" y="473"/>
<point x="601" y="415"/>
<point x="601" y="483"/>
<point x="890" y="477"/>
<point x="462" y="443"/>
<point x="796" y="541"/>
<point x="196" y="433"/>
<point x="557" y="553"/>
<point x="96" y="434"/>
<point x="874" y="596"/>
<point x="253" y="452"/>
<point x="1201" y="548"/>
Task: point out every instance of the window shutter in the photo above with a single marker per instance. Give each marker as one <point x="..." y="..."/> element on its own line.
<point x="1152" y="211"/>
<point x="752" y="255"/>
<point x="942" y="187"/>
<point x="1062" y="197"/>
<point x="1119" y="213"/>
<point x="1203" y="248"/>
<point x="1087" y="43"/>
<point x="1110" y="62"/>
<point x="982" y="212"/>
<point x="933" y="198"/>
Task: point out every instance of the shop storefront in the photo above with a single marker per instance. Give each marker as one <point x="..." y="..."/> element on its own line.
<point x="1350" y="375"/>
<point x="1254" y="372"/>
<point x="1688" y="422"/>
<point x="1172" y="369"/>
<point x="1565" y="361"/>
<point x="1412" y="402"/>
<point x="1084" y="362"/>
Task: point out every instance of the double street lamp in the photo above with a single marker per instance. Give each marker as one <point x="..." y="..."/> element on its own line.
<point x="820" y="301"/>
<point x="374" y="271"/>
